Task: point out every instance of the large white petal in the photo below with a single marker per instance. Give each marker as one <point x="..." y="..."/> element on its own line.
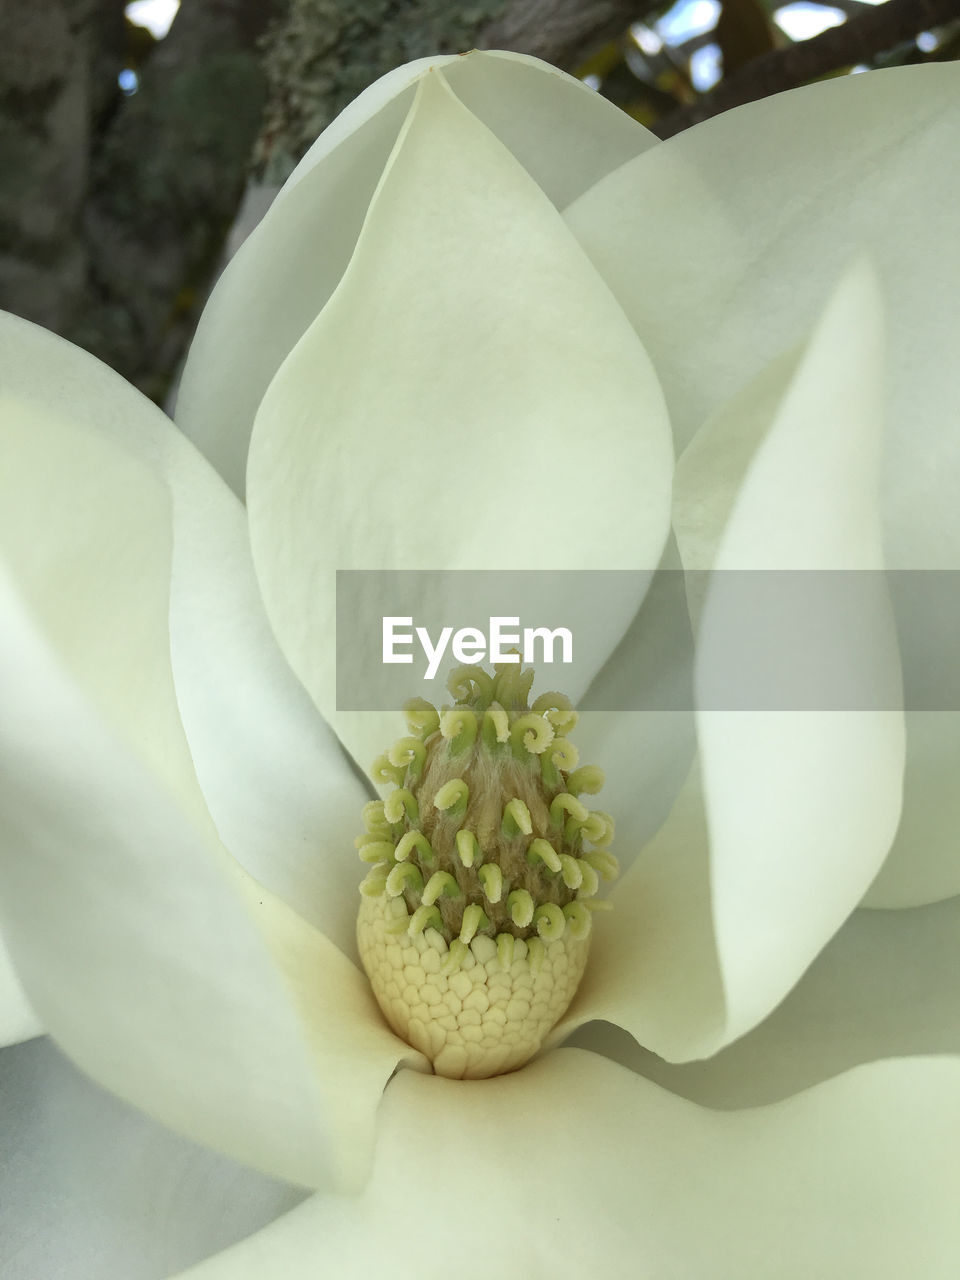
<point x="885" y="986"/>
<point x="149" y="955"/>
<point x="924" y="863"/>
<point x="802" y="806"/>
<point x="775" y="840"/>
<point x="163" y="972"/>
<point x="17" y="1019"/>
<point x="720" y="245"/>
<point x="274" y="778"/>
<point x="91" y="1189"/>
<point x="722" y="242"/>
<point x="575" y="1166"/>
<point x="471" y="398"/>
<point x="654" y="968"/>
<point x="565" y="136"/>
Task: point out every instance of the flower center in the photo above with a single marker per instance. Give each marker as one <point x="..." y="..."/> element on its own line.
<point x="475" y="916"/>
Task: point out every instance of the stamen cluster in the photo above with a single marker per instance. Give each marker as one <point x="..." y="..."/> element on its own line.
<point x="483" y="853"/>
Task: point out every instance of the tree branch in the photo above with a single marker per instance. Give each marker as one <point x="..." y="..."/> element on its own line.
<point x="325" y="52"/>
<point x="867" y="33"/>
<point x="560" y="30"/>
<point x="54" y="83"/>
<point x="165" y="181"/>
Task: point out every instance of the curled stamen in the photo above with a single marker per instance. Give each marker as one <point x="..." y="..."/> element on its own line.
<point x="579" y="919"/>
<point x="377" y="851"/>
<point x="558" y="709"/>
<point x="455" y="957"/>
<point x="441" y="882"/>
<point x="543" y="851"/>
<point x="511" y="685"/>
<point x="399" y="924"/>
<point x="520" y="905"/>
<point x="468" y="684"/>
<point x="409" y="754"/>
<point x="491" y="878"/>
<point x="473" y="919"/>
<point x="401" y="802"/>
<point x="425" y="918"/>
<point x="374" y="883"/>
<point x="505" y="948"/>
<point x="591" y="882"/>
<point x="374" y="818"/>
<point x="468" y="847"/>
<point x="459" y="727"/>
<point x="604" y="863"/>
<point x="563" y="754"/>
<point x="452" y="797"/>
<point x="550" y="921"/>
<point x="411" y="840"/>
<point x="588" y="778"/>
<point x="405" y="875"/>
<point x="531" y="733"/>
<point x="421" y="716"/>
<point x="536" y="954"/>
<point x="516" y="819"/>
<point x="598" y="828"/>
<point x="569" y="871"/>
<point x="383" y="772"/>
<point x="569" y="804"/>
<point x="496" y="726"/>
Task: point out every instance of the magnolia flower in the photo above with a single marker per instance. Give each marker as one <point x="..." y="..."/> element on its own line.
<point x="462" y="338"/>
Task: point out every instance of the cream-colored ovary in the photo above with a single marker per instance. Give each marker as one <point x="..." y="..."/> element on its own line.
<point x="482" y="1019"/>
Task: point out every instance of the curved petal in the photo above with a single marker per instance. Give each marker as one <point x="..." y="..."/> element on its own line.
<point x="274" y="779"/>
<point x="646" y="754"/>
<point x="469" y="379"/>
<point x="924" y="863"/>
<point x="802" y="806"/>
<point x="720" y="244"/>
<point x="654" y="968"/>
<point x="565" y="136"/>
<point x="17" y="1020"/>
<point x="854" y="1178"/>
<point x="90" y="1188"/>
<point x="884" y="987"/>
<point x="776" y="841"/>
<point x="145" y="950"/>
<point x="164" y="973"/>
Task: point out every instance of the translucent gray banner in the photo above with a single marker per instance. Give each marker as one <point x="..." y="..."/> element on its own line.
<point x="783" y="640"/>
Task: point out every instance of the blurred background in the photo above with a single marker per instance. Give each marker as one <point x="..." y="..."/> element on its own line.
<point x="130" y="134"/>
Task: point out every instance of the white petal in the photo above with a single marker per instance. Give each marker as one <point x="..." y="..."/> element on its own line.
<point x="17" y="1020"/>
<point x="90" y="1188"/>
<point x="884" y="987"/>
<point x="802" y="806"/>
<point x="645" y="754"/>
<point x="748" y="880"/>
<point x="924" y="863"/>
<point x="468" y="389"/>
<point x="565" y="136"/>
<point x="574" y="1166"/>
<point x="281" y="791"/>
<point x="720" y="244"/>
<point x="274" y="778"/>
<point x="654" y="969"/>
<point x="144" y="949"/>
<point x="148" y="956"/>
